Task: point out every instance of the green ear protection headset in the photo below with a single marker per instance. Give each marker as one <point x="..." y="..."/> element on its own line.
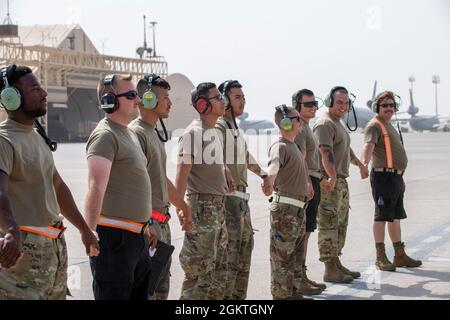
<point x="10" y="96"/>
<point x="149" y="98"/>
<point x="286" y="123"/>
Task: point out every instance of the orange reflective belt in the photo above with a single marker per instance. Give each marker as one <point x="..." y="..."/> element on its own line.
<point x="160" y="217"/>
<point x="121" y="224"/>
<point x="387" y="144"/>
<point x="49" y="232"/>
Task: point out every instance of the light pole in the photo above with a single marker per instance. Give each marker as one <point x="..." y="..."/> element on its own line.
<point x="412" y="80"/>
<point x="436" y="80"/>
<point x="154" y="23"/>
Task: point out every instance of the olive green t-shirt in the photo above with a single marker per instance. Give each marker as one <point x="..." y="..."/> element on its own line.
<point x="292" y="177"/>
<point x="308" y="145"/>
<point x="372" y="133"/>
<point x="128" y="193"/>
<point x="331" y="132"/>
<point x="235" y="151"/>
<point x="28" y="162"/>
<point x="202" y="143"/>
<point x="155" y="153"/>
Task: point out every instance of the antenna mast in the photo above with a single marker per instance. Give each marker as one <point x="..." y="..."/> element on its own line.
<point x="154" y="23"/>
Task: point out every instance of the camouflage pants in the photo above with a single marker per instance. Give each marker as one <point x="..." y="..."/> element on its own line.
<point x="240" y="247"/>
<point x="288" y="228"/>
<point x="164" y="235"/>
<point x="203" y="256"/>
<point x="41" y="274"/>
<point x="332" y="219"/>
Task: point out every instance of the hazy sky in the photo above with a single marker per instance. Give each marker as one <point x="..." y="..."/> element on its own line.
<point x="276" y="47"/>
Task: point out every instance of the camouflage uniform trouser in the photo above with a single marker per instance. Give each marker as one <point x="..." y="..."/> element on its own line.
<point x="288" y="229"/>
<point x="164" y="235"/>
<point x="332" y="218"/>
<point x="240" y="247"/>
<point x="203" y="256"/>
<point x="42" y="272"/>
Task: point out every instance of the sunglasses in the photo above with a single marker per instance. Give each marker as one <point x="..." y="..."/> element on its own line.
<point x="130" y="95"/>
<point x="218" y="97"/>
<point x="311" y="104"/>
<point x="387" y="105"/>
<point x="296" y="118"/>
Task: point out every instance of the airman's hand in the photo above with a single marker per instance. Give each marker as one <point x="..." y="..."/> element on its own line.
<point x="230" y="181"/>
<point x="310" y="192"/>
<point x="185" y="218"/>
<point x="90" y="240"/>
<point x="364" y="170"/>
<point x="267" y="187"/>
<point x="150" y="233"/>
<point x="10" y="249"/>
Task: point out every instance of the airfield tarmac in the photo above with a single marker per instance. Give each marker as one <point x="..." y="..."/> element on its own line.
<point x="426" y="232"/>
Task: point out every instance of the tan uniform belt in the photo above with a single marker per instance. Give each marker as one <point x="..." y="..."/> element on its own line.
<point x="389" y="170"/>
<point x="240" y="195"/>
<point x="290" y="201"/>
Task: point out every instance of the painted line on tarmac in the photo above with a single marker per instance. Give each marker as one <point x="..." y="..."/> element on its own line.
<point x="373" y="279"/>
<point x="432" y="239"/>
<point x="439" y="259"/>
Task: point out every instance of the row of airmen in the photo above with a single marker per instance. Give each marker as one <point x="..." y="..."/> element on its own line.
<point x="127" y="204"/>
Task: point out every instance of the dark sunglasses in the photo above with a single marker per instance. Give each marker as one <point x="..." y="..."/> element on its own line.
<point x="218" y="97"/>
<point x="310" y="104"/>
<point x="387" y="105"/>
<point x="296" y="118"/>
<point x="130" y="95"/>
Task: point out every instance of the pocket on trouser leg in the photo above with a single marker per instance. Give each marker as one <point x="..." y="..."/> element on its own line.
<point x="38" y="268"/>
<point x="328" y="223"/>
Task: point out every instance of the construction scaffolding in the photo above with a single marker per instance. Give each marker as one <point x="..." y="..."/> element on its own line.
<point x="54" y="65"/>
<point x="64" y="68"/>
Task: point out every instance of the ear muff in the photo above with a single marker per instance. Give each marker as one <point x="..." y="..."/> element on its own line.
<point x="226" y="98"/>
<point x="149" y="98"/>
<point x="200" y="103"/>
<point x="225" y="88"/>
<point x="298" y="105"/>
<point x="285" y="123"/>
<point x="10" y="97"/>
<point x="328" y="102"/>
<point x="109" y="102"/>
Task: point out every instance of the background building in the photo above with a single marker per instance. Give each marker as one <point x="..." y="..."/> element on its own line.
<point x="69" y="67"/>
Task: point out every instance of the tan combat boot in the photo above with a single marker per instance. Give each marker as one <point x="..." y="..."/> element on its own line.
<point x="322" y="286"/>
<point x="306" y="288"/>
<point x="334" y="274"/>
<point x="401" y="259"/>
<point x="353" y="274"/>
<point x="382" y="263"/>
